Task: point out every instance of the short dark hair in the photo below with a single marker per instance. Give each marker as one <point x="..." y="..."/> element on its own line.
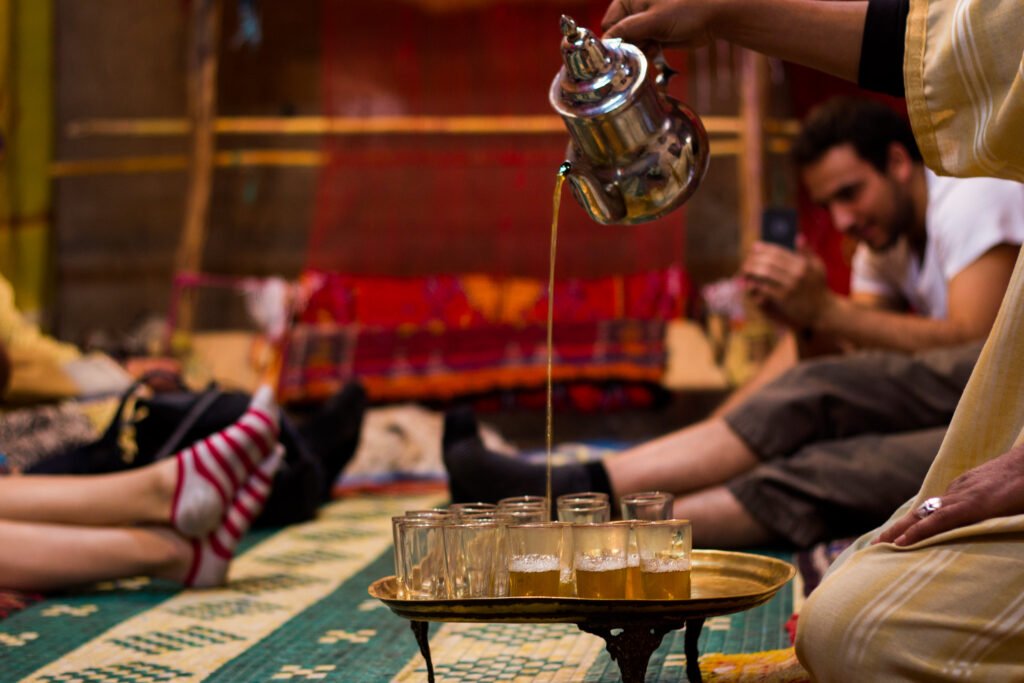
<point x="870" y="126"/>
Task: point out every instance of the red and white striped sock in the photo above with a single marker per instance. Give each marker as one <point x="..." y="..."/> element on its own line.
<point x="211" y="470"/>
<point x="212" y="555"/>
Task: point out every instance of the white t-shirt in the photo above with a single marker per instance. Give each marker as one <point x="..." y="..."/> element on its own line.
<point x="965" y="218"/>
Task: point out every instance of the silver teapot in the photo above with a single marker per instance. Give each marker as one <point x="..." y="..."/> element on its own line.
<point x="636" y="153"/>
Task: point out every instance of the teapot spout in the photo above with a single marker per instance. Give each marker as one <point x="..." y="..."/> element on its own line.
<point x="604" y="204"/>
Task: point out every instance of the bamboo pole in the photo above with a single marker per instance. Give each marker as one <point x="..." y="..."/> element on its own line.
<point x="284" y="158"/>
<point x="753" y="97"/>
<point x="202" y="104"/>
<point x="377" y="125"/>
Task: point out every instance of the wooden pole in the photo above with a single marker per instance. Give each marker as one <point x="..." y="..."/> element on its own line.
<point x="753" y="105"/>
<point x="202" y="109"/>
<point x="375" y="125"/>
<point x="283" y="158"/>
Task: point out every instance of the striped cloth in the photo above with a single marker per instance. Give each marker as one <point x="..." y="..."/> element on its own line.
<point x="952" y="606"/>
<point x="965" y="85"/>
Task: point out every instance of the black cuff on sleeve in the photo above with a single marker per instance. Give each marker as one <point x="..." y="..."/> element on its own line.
<point x="882" y="48"/>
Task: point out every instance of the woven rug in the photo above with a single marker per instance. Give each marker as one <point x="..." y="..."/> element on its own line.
<point x="296" y="608"/>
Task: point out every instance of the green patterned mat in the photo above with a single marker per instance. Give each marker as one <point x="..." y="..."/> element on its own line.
<point x="297" y="609"/>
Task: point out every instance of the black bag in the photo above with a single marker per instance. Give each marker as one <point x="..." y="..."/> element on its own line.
<point x="149" y="428"/>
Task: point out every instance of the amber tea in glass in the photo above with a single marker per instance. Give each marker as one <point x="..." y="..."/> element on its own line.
<point x="535" y="559"/>
<point x="665" y="548"/>
<point x="600" y="560"/>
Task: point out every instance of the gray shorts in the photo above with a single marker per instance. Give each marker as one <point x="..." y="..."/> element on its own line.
<point x="846" y="440"/>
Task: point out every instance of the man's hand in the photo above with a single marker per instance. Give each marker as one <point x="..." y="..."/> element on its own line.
<point x="788" y="285"/>
<point x="995" y="489"/>
<point x="671" y="23"/>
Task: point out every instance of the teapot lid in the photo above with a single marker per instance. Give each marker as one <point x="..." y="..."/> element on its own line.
<point x="598" y="76"/>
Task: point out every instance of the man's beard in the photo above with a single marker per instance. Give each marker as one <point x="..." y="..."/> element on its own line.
<point x="897" y="226"/>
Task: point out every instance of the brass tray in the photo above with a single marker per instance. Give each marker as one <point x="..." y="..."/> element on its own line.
<point x="721" y="583"/>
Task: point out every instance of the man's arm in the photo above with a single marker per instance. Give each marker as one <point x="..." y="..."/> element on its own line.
<point x="973" y="299"/>
<point x="822" y="34"/>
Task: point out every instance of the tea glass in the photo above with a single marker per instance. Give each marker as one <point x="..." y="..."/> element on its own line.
<point x="648" y="505"/>
<point x="600" y="560"/>
<point x="523" y="500"/>
<point x="585" y="511"/>
<point x="535" y="559"/>
<point x="477" y="558"/>
<point x="460" y="509"/>
<point x="665" y="548"/>
<point x="420" y="562"/>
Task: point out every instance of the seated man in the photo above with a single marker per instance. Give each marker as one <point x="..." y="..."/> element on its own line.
<point x="832" y="446"/>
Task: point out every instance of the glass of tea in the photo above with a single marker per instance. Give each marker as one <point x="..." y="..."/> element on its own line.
<point x="477" y="558"/>
<point x="534" y="559"/>
<point x="460" y="509"/>
<point x="632" y="559"/>
<point x="515" y="501"/>
<point x="600" y="560"/>
<point x="647" y="505"/>
<point x="665" y="547"/>
<point x="577" y="510"/>
<point x="583" y="496"/>
<point x="420" y="562"/>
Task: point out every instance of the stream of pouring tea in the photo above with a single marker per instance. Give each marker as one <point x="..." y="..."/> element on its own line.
<point x="556" y="202"/>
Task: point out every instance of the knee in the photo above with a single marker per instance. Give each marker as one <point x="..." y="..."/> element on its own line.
<point x="821" y="629"/>
<point x="857" y="620"/>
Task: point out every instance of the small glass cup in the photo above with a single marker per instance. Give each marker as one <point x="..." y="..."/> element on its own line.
<point x="583" y="496"/>
<point x="632" y="560"/>
<point x="647" y="505"/>
<point x="600" y="560"/>
<point x="523" y="500"/>
<point x="460" y="509"/>
<point x="665" y="549"/>
<point x="435" y="513"/>
<point x="567" y="580"/>
<point x="525" y="514"/>
<point x="584" y="511"/>
<point x="534" y="559"/>
<point x="477" y="558"/>
<point x="420" y="561"/>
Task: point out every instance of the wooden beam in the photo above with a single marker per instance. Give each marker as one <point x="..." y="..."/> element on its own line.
<point x="376" y="125"/>
<point x="202" y="103"/>
<point x="753" y="99"/>
<point x="284" y="158"/>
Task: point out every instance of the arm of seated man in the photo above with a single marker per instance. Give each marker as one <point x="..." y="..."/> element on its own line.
<point x="973" y="299"/>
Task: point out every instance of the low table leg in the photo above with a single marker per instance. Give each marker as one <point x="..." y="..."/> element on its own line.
<point x="421" y="629"/>
<point x="693" y="629"/>
<point x="630" y="647"/>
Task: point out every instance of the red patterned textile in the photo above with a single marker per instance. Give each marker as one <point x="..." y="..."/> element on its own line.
<point x="414" y="204"/>
<point x="12" y="601"/>
<point x="445" y="336"/>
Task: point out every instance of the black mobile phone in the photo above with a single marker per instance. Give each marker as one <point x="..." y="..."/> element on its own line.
<point x="779" y="226"/>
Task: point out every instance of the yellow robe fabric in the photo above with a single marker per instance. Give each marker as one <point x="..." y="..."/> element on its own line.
<point x="36" y="359"/>
<point x="964" y="81"/>
<point x="952" y="606"/>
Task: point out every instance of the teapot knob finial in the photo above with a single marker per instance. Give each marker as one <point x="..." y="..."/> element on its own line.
<point x="569" y="27"/>
<point x="585" y="56"/>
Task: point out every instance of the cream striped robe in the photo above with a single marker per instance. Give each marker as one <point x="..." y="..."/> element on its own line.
<point x="951" y="607"/>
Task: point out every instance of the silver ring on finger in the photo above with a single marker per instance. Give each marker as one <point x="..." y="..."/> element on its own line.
<point x="928" y="507"/>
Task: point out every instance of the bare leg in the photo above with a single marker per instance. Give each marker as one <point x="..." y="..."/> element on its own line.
<point x="701" y="455"/>
<point x="41" y="561"/>
<point x="191" y="491"/>
<point x="719" y="521"/>
<point x="134" y="497"/>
